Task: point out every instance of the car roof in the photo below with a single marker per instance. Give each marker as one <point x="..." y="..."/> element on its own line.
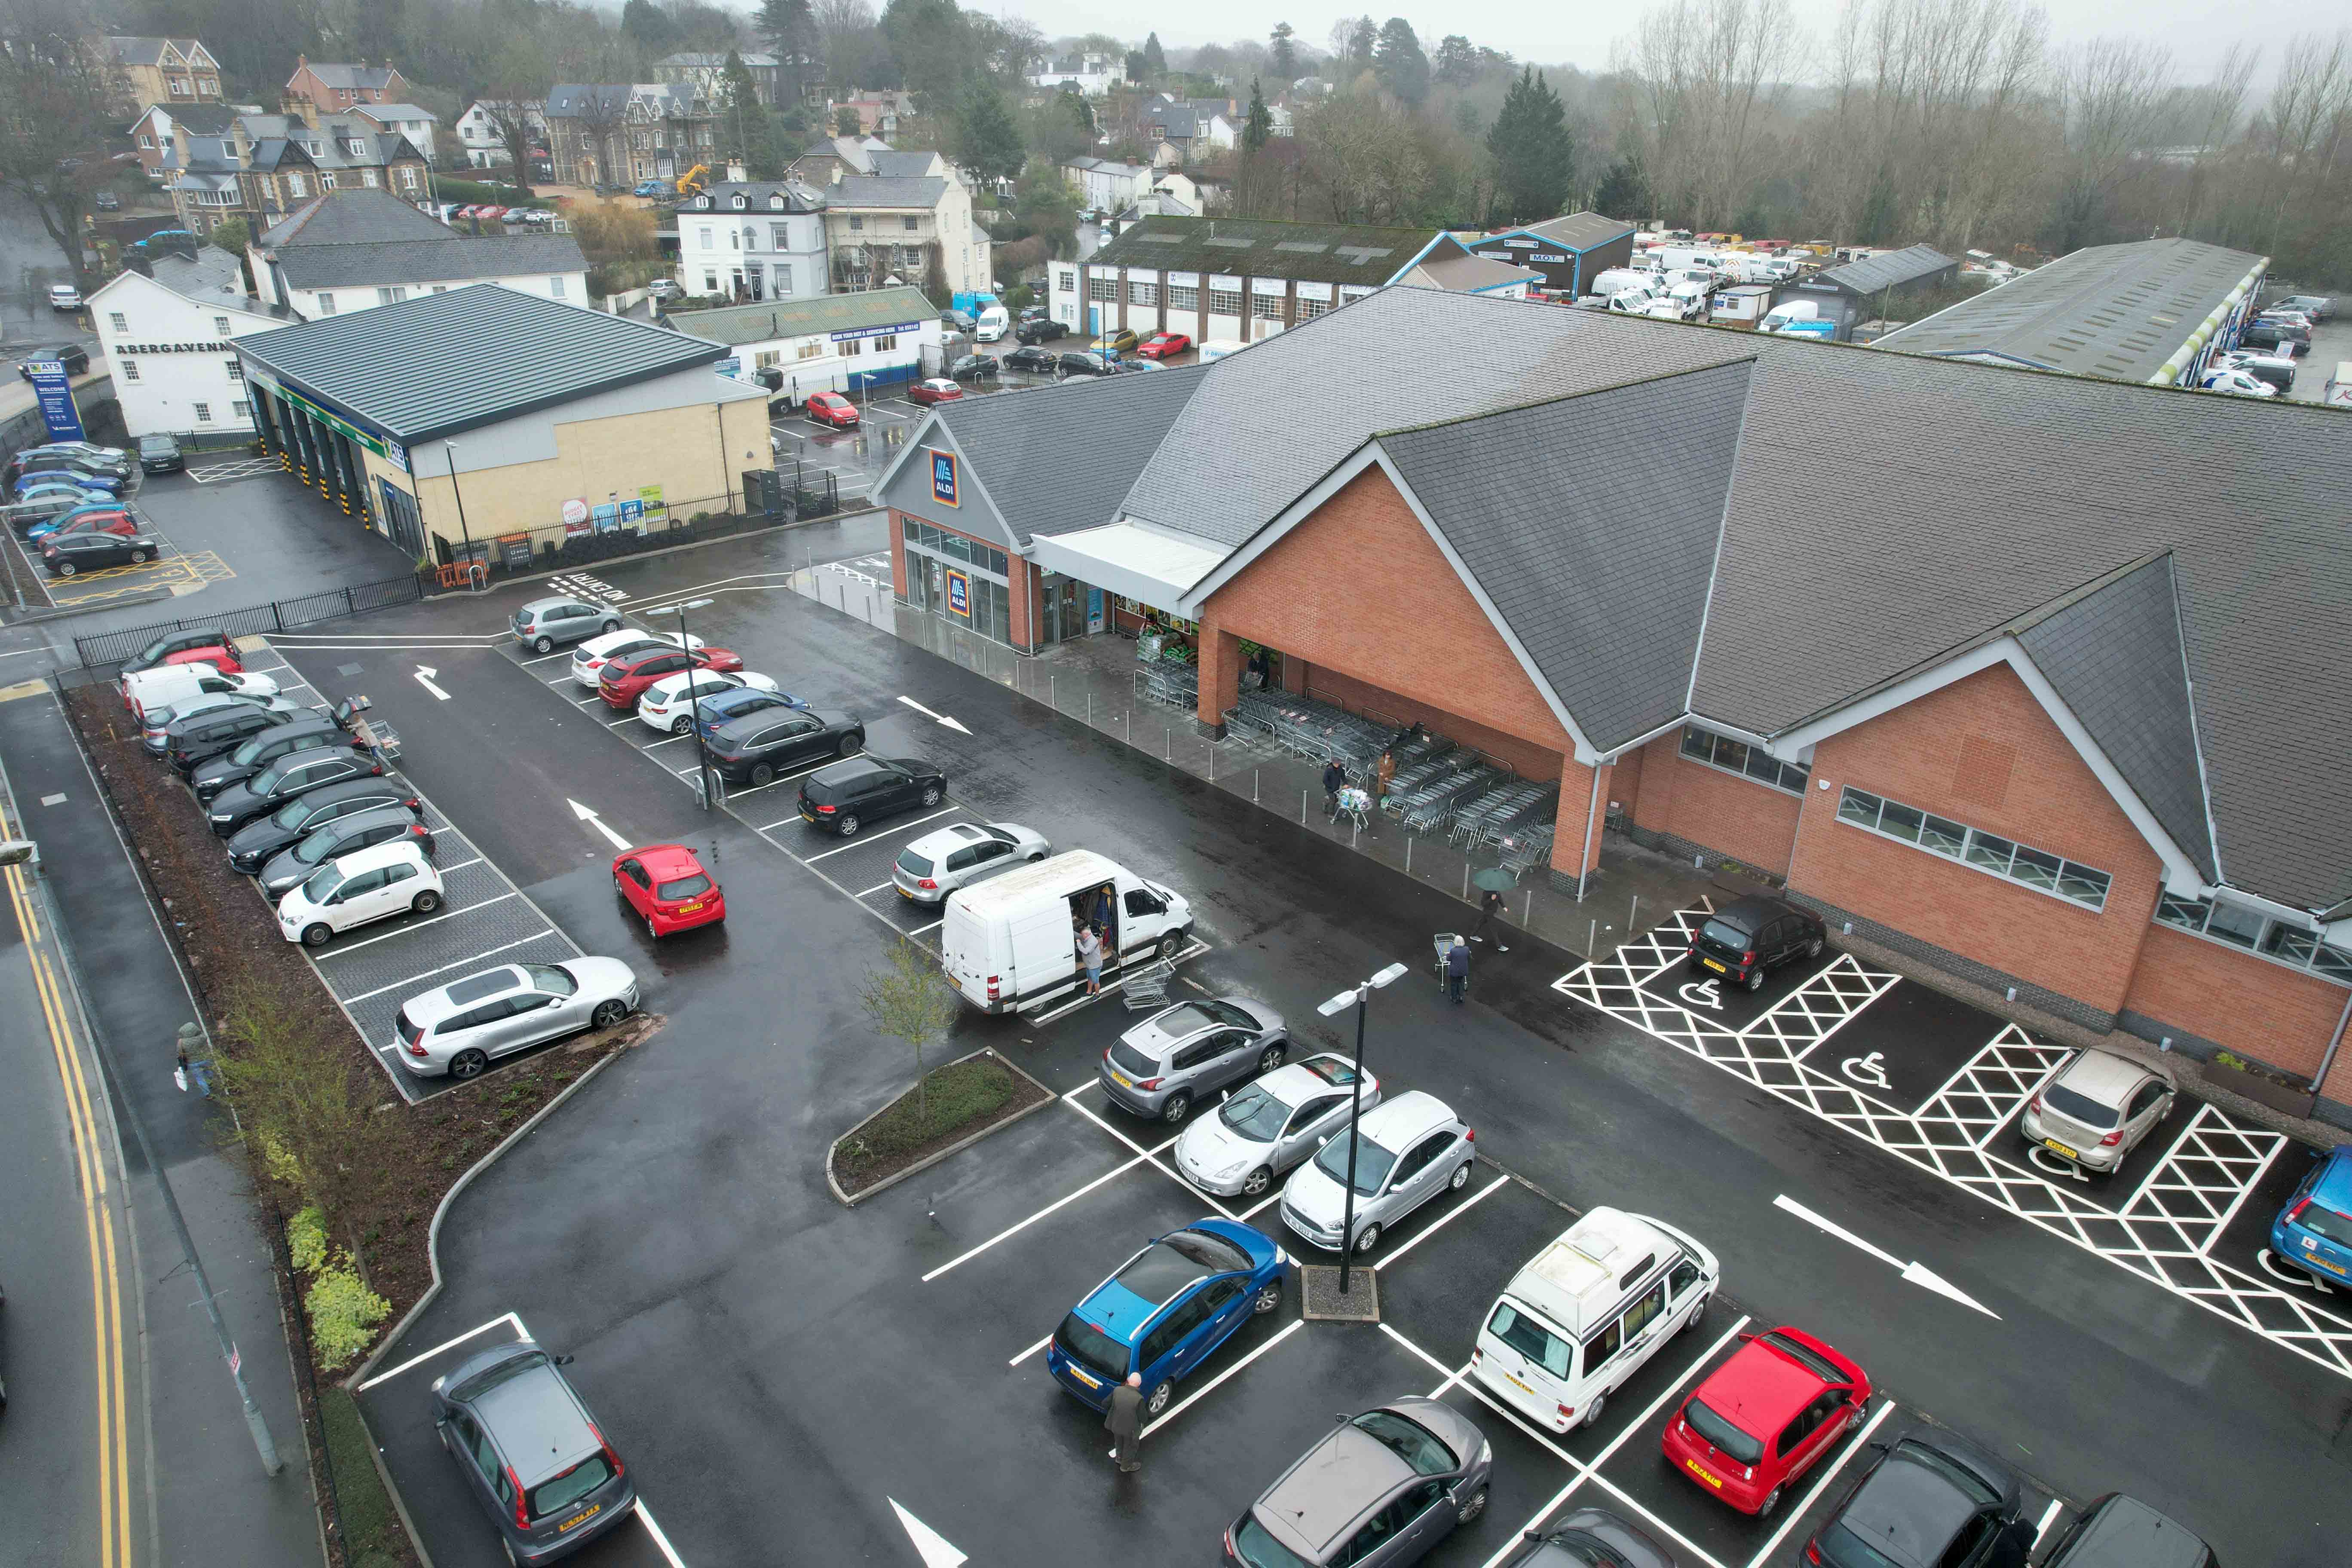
<point x="1748" y="914"/>
<point x="537" y="1424"/>
<point x="947" y="838"/>
<point x="1590" y="1264"/>
<point x="2333" y="1188"/>
<point x="1294" y="1083"/>
<point x="435" y="1005"/>
<point x="1397" y="1122"/>
<point x="347" y="789"/>
<point x="1908" y="1509"/>
<point x="2123" y="1532"/>
<point x="665" y="859"/>
<point x="1322" y="1496"/>
<point x="2102" y="1076"/>
<point x="301" y="754"/>
<point x="1758" y="1389"/>
<point x="393" y="853"/>
<point x="555" y="599"/>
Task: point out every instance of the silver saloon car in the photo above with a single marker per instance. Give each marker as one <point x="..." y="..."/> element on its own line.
<point x="456" y="1029"/>
<point x="1163" y="1065"/>
<point x="1267" y="1126"/>
<point x="1378" y="1491"/>
<point x="1412" y="1148"/>
<point x="2097" y="1109"/>
<point x="938" y="864"/>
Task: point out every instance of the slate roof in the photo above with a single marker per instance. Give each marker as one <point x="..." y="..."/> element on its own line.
<point x="437" y="363"/>
<point x="448" y="257"/>
<point x="693" y="60"/>
<point x="1581" y="231"/>
<point x="1892" y="270"/>
<point x="354" y="77"/>
<point x="2119" y="311"/>
<point x="718" y="200"/>
<point x="854" y="192"/>
<point x="213" y="278"/>
<point x="756" y="323"/>
<point x="395" y="112"/>
<point x="1610" y="615"/>
<point x="912" y="163"/>
<point x="201" y="118"/>
<point x="569" y="100"/>
<point x="353" y="217"/>
<point x="1471" y="272"/>
<point x="1261" y="248"/>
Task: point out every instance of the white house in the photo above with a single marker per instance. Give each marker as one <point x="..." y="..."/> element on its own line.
<point x="354" y="249"/>
<point x="481" y="133"/>
<point x="753" y="241"/>
<point x="832" y="342"/>
<point x="881" y="225"/>
<point x="1091" y="73"/>
<point x="419" y="124"/>
<point x="166" y="331"/>
<point x="1105" y="186"/>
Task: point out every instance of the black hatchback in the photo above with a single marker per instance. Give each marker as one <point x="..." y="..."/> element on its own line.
<point x="2120" y="1531"/>
<point x="1036" y="361"/>
<point x="311" y="767"/>
<point x="973" y="367"/>
<point x="251" y="846"/>
<point x="70" y="555"/>
<point x="1930" y="1498"/>
<point x="847" y="795"/>
<point x="1089" y="365"/>
<point x="754" y="749"/>
<point x="1742" y="941"/>
<point x="1043" y="329"/>
<point x="190" y="742"/>
<point x="258" y="752"/>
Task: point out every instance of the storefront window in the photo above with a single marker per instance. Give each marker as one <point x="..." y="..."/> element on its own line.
<point x="1971" y="846"/>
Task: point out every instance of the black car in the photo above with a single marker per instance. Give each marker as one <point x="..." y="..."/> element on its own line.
<point x="291" y="777"/>
<point x="332" y="840"/>
<point x="1930" y="1498"/>
<point x="2119" y="1532"/>
<point x="72" y="455"/>
<point x="255" y="753"/>
<point x="1741" y="941"/>
<point x="1087" y="365"/>
<point x="160" y="454"/>
<point x="75" y="358"/>
<point x="1043" y="329"/>
<point x="169" y="643"/>
<point x="190" y="742"/>
<point x="758" y="746"/>
<point x="251" y="846"/>
<point x="106" y="202"/>
<point x="69" y="554"/>
<point x="2277" y="336"/>
<point x="1039" y="362"/>
<point x="847" y="795"/>
<point x="973" y="367"/>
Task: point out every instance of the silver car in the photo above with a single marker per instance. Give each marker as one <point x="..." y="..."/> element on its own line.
<point x="1163" y="1065"/>
<point x="2097" y="1109"/>
<point x="531" y="1453"/>
<point x="543" y="624"/>
<point x="1265" y="1128"/>
<point x="936" y="864"/>
<point x="1412" y="1148"/>
<point x="456" y="1029"/>
<point x="1378" y="1491"/>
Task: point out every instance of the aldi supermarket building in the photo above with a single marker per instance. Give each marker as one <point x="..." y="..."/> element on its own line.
<point x="2033" y="705"/>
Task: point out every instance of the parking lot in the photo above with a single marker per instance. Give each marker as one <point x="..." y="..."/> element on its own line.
<point x="173" y="568"/>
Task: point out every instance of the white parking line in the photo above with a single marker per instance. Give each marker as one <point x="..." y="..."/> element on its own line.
<point x="935" y="925"/>
<point x="660" y="1539"/>
<point x="1193" y="951"/>
<point x="1448" y="1218"/>
<point x="1209" y="1387"/>
<point x="944" y="811"/>
<point x="542" y="659"/>
<point x="413" y="979"/>
<point x="787" y="778"/>
<point x="876" y="888"/>
<point x="1033" y="1350"/>
<point x="1854" y="1445"/>
<point x="460" y="866"/>
<point x="420" y="925"/>
<point x="1155" y="1164"/>
<point x="446" y="1344"/>
<point x="1024" y="1225"/>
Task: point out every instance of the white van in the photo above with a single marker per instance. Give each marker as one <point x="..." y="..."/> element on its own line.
<point x="1588" y="1312"/>
<point x="1616" y="279"/>
<point x="1219" y="348"/>
<point x="993" y="323"/>
<point x="1012" y="942"/>
<point x="1791" y="310"/>
<point x="160" y="688"/>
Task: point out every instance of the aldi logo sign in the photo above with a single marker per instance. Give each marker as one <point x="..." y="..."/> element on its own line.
<point x="944" y="480"/>
<point x="960" y="594"/>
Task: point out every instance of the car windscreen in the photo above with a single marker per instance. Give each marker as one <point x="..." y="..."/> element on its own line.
<point x="1226" y="1013"/>
<point x="1372" y="1163"/>
<point x="1409" y="1440"/>
<point x="1255" y="1114"/>
<point x="1968" y="1483"/>
<point x="1260" y="1550"/>
<point x="1728" y="1439"/>
<point x="552" y="1497"/>
<point x="912" y="863"/>
<point x="2079" y="1107"/>
<point x="1841" y="1548"/>
<point x="683" y="888"/>
<point x="490" y="1377"/>
<point x="1804" y="1355"/>
<point x="322" y="884"/>
<point x="1724" y="936"/>
<point x="249" y="749"/>
<point x="1091" y="1348"/>
<point x="551" y="978"/>
<point x="1524" y="1335"/>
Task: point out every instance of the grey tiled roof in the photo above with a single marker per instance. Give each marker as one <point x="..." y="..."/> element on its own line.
<point x="719" y="200"/>
<point x="1264" y="247"/>
<point x="1581" y="231"/>
<point x="214" y="277"/>
<point x="1891" y="270"/>
<point x="854" y="192"/>
<point x="447" y="258"/>
<point x="1610" y="614"/>
<point x="2115" y="658"/>
<point x="349" y="217"/>
<point x="354" y="77"/>
<point x="1458" y="271"/>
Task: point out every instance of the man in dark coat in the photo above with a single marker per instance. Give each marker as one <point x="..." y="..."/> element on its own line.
<point x="1335" y="779"/>
<point x="1124" y="1421"/>
<point x="1490" y="922"/>
<point x="1457" y="970"/>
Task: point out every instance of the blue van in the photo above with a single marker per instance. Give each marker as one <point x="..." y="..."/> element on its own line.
<point x="1165" y="1310"/>
<point x="2313" y="1232"/>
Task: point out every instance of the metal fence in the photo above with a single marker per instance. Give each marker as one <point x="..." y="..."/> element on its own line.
<point x="767" y="500"/>
<point x="281" y="615"/>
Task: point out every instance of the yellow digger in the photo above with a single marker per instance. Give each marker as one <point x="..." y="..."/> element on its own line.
<point x="693" y="179"/>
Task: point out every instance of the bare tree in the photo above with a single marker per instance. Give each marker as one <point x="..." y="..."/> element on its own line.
<point x="53" y="122"/>
<point x="2110" y="94"/>
<point x="1709" y="79"/>
<point x="908" y="999"/>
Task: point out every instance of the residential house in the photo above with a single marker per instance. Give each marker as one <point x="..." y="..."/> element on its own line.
<point x="265" y="165"/>
<point x="753" y="240"/>
<point x="415" y="121"/>
<point x="704" y="75"/>
<point x="1280" y="121"/>
<point x="1105" y="186"/>
<point x="165" y="325"/>
<point x="879" y="113"/>
<point x="618" y="133"/>
<point x="140" y="71"/>
<point x="152" y="130"/>
<point x="1091" y="73"/>
<point x="1178" y="131"/>
<point x="353" y="249"/>
<point x="886" y="228"/>
<point x="331" y="88"/>
<point x="481" y="130"/>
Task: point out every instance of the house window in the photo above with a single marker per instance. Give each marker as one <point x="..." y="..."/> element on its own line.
<point x="1141" y="293"/>
<point x="391" y="296"/>
<point x="555" y="288"/>
<point x="783" y="275"/>
<point x="856" y="223"/>
<point x="852" y="347"/>
<point x="237" y="372"/>
<point x="1739" y="757"/>
<point x="243" y="409"/>
<point x="781" y="233"/>
<point x="1225" y="302"/>
<point x="146" y="139"/>
<point x="2036" y="868"/>
<point x="129" y="370"/>
<point x="2225" y="920"/>
<point x="326" y="181"/>
<point x="912" y="223"/>
<point x="702" y="237"/>
<point x="1310" y="309"/>
<point x="220" y="325"/>
<point x="367" y="177"/>
<point x="884" y="344"/>
<point x="739" y="201"/>
<point x="778" y="203"/>
<point x="204" y="413"/>
<point x="767" y="359"/>
<point x="1266" y="307"/>
<point x="121" y="322"/>
<point x="296" y="186"/>
<point x="710" y="282"/>
<point x="1102" y="291"/>
<point x="732" y="238"/>
<point x="179" y="87"/>
<point x="407" y="177"/>
<point x="810" y="348"/>
<point x="1065" y="282"/>
<point x="1181" y="298"/>
<point x="326" y="303"/>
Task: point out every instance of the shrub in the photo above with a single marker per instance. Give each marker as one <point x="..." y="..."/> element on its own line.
<point x="343" y="1314"/>
<point x="306" y="1239"/>
<point x="279" y="1159"/>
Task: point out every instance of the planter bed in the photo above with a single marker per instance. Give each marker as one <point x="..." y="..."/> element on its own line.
<point x="968" y="1099"/>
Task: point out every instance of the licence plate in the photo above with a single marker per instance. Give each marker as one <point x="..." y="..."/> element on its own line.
<point x="1082" y="1377"/>
<point x="687" y="909"/>
<point x="904" y="894"/>
<point x="582" y="1517"/>
<point x="2054" y="1144"/>
<point x="1522" y="1387"/>
<point x="2331" y="1267"/>
<point x="807" y="815"/>
<point x="1712" y="964"/>
<point x="1694" y="1468"/>
<point x="1121" y="1080"/>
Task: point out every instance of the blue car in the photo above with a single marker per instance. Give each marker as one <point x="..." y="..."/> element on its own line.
<point x="655" y="187"/>
<point x="2313" y="1232"/>
<point x="711" y="712"/>
<point x="81" y="477"/>
<point x="1165" y="1310"/>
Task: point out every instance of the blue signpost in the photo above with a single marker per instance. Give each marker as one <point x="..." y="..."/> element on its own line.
<point x="55" y="394"/>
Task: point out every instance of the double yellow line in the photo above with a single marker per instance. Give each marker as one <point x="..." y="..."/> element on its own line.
<point x="98" y="1221"/>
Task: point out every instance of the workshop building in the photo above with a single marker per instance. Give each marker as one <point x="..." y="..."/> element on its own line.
<point x="830" y="342"/>
<point x="1566" y="253"/>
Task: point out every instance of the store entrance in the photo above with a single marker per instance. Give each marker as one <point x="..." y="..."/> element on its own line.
<point x="1072" y="608"/>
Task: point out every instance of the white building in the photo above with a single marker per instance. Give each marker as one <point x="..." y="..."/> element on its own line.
<point x="753" y="241"/>
<point x="419" y="124"/>
<point x="834" y="342"/>
<point x="167" y="336"/>
<point x="881" y="226"/>
<point x="1105" y="186"/>
<point x="351" y="250"/>
<point x="481" y="133"/>
<point x="1092" y="74"/>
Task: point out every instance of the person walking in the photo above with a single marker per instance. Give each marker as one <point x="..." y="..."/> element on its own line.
<point x="1335" y="779"/>
<point x="1090" y="954"/>
<point x="1457" y="970"/>
<point x="1490" y="920"/>
<point x="1125" y="1422"/>
<point x="1382" y="772"/>
<point x="191" y="1068"/>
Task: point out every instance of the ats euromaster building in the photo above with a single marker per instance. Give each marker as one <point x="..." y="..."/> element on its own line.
<point x="483" y="419"/>
<point x="2032" y="678"/>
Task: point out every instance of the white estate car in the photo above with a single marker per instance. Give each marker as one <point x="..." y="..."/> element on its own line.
<point x="589" y="659"/>
<point x="456" y="1029"/>
<point x="375" y="884"/>
<point x="667" y="704"/>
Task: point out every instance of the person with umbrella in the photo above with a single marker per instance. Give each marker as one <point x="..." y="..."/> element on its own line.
<point x="1490" y="911"/>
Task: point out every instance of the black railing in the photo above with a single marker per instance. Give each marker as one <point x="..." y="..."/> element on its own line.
<point x="281" y="615"/>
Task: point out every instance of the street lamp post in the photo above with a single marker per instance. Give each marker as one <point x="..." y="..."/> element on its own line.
<point x="450" y="449"/>
<point x="694" y="701"/>
<point x="1358" y="997"/>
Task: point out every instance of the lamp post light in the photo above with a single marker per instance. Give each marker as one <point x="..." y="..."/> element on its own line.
<point x="1358" y="997"/>
<point x="694" y="700"/>
<point x="450" y="449"/>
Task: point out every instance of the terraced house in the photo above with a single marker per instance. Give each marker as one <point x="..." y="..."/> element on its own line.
<point x="142" y="71"/>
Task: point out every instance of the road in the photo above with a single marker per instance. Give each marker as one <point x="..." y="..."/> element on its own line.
<point x="744" y="1338"/>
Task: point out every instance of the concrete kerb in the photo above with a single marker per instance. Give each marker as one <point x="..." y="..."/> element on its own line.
<point x="844" y="515"/>
<point x="958" y="1147"/>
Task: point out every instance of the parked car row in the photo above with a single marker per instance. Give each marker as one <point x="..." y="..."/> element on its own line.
<point x="65" y="500"/>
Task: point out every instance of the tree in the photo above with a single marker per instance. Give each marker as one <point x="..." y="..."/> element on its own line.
<point x="1534" y="157"/>
<point x="1282" y="53"/>
<point x="1621" y="194"/>
<point x="650" y="27"/>
<point x="1399" y="63"/>
<point x="53" y="120"/>
<point x="1061" y="127"/>
<point x="789" y="27"/>
<point x="908" y="999"/>
<point x="1155" y="58"/>
<point x="987" y="139"/>
<point x="1259" y="126"/>
<point x="232" y="235"/>
<point x="846" y="122"/>
<point x="1354" y="41"/>
<point x="1045" y="205"/>
<point x="931" y="45"/>
<point x="1456" y="62"/>
<point x="755" y="136"/>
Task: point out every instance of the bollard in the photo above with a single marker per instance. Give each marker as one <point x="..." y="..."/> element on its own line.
<point x="1302" y="808"/>
<point x="1165" y="743"/>
<point x="1090" y="707"/>
<point x="1408" y="854"/>
<point x="1466" y="881"/>
<point x="1252" y="786"/>
<point x="1528" y="912"/>
<point x="1354" y="828"/>
<point x="1632" y="922"/>
<point x="1592" y="938"/>
<point x="1053" y="691"/>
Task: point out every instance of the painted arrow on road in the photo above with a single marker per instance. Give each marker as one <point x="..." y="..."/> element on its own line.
<point x="597" y="822"/>
<point x="929" y="1545"/>
<point x="1916" y="1273"/>
<point x="941" y="718"/>
<point x="425" y="674"/>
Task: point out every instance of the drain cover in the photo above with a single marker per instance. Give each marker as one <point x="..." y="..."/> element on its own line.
<point x="348" y="669"/>
<point x="1320" y="1284"/>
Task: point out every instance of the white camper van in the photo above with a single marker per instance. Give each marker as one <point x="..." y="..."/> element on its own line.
<point x="1011" y="942"/>
<point x="1588" y="1312"/>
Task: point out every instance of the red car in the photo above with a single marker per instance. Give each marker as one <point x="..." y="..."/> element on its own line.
<point x="222" y="659"/>
<point x="119" y="523"/>
<point x="938" y="389"/>
<point x="1164" y="345"/>
<point x="831" y="408"/>
<point x="667" y="886"/>
<point x="624" y="680"/>
<point x="1766" y="1416"/>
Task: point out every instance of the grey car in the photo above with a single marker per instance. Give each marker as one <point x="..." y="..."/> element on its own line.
<point x="936" y="864"/>
<point x="1593" y="1538"/>
<point x="545" y="624"/>
<point x="531" y="1453"/>
<point x="1266" y="1127"/>
<point x="1412" y="1149"/>
<point x="458" y="1028"/>
<point x="2097" y="1109"/>
<point x="1378" y="1491"/>
<point x="154" y="729"/>
<point x="291" y="866"/>
<point x="1160" y="1066"/>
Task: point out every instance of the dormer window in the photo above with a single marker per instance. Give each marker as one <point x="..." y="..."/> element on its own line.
<point x="739" y="201"/>
<point x="776" y="202"/>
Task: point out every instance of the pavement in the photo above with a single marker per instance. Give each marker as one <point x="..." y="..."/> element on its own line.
<point x="1842" y="1140"/>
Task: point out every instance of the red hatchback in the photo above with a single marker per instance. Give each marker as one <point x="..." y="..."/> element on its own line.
<point x="1765" y="1418"/>
<point x="667" y="885"/>
<point x="120" y="522"/>
<point x="624" y="679"/>
<point x="222" y="659"/>
<point x="831" y="408"/>
<point x="1164" y="345"/>
<point x="936" y="390"/>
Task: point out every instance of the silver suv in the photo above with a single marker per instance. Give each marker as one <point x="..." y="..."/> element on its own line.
<point x="1378" y="1491"/>
<point x="546" y="623"/>
<point x="1163" y="1065"/>
<point x="458" y="1028"/>
<point x="531" y="1453"/>
<point x="1412" y="1149"/>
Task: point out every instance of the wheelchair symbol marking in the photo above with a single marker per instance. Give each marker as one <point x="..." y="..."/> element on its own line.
<point x="1870" y="1069"/>
<point x="1703" y="993"/>
<point x="2276" y="1269"/>
<point x="2042" y="1159"/>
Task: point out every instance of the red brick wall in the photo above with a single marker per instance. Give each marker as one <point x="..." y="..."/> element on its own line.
<point x="1738" y="817"/>
<point x="1983" y="752"/>
<point x="2254" y="1006"/>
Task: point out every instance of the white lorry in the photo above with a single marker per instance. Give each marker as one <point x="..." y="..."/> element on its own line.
<point x="1012" y="942"/>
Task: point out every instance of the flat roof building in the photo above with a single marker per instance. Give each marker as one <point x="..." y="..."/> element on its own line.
<point x="830" y="342"/>
<point x="1569" y="251"/>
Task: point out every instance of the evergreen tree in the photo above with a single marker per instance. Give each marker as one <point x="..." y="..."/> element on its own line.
<point x="1535" y="156"/>
<point x="930" y="44"/>
<point x="1155" y="58"/>
<point x="1361" y="39"/>
<point x="1456" y="62"/>
<point x="649" y="26"/>
<point x="1399" y="63"/>
<point x="1282" y="55"/>
<point x="987" y="138"/>
<point x="752" y="130"/>
<point x="1134" y="67"/>
<point x="789" y="27"/>
<point x="846" y="122"/>
<point x="1622" y="193"/>
<point x="1260" y="124"/>
<point x="1045" y="205"/>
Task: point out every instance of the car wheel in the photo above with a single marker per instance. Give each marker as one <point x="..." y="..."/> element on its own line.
<point x="1756" y="977"/>
<point x="1170" y="944"/>
<point x="1771" y="1501"/>
<point x="425" y="903"/>
<point x="1367" y="1239"/>
<point x="1157" y="1400"/>
<point x="651" y="930"/>
<point x="138" y="558"/>
<point x="542" y="644"/>
<point x="1813" y="948"/>
<point x="317" y="935"/>
<point x="849" y="825"/>
<point x="1271" y="1058"/>
<point x="1178" y="1107"/>
<point x="609" y="1012"/>
<point x="852" y="744"/>
<point x="1460" y="1179"/>
<point x="681" y="725"/>
<point x="1472" y="1507"/>
<point x="1257" y="1180"/>
<point x="1698" y="1312"/>
<point x="611" y="626"/>
<point x="761" y="773"/>
<point x="66" y="568"/>
<point x="1592" y="1410"/>
<point x="468" y="1063"/>
<point x="931" y="795"/>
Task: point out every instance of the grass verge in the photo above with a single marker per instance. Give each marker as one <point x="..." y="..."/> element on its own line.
<point x="372" y="1534"/>
<point x="963" y="1097"/>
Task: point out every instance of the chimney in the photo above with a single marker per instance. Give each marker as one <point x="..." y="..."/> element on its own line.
<point x="735" y="174"/>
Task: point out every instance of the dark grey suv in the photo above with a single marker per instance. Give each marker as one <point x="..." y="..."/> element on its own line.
<point x="291" y="866"/>
<point x="530" y="1452"/>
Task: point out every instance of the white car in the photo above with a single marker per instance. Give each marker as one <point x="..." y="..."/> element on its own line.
<point x="1412" y="1149"/>
<point x="1666" y="309"/>
<point x="375" y="884"/>
<point x="2240" y="384"/>
<point x="667" y="704"/>
<point x="1264" y="1128"/>
<point x="64" y="297"/>
<point x="589" y="659"/>
<point x="938" y="863"/>
<point x="456" y="1030"/>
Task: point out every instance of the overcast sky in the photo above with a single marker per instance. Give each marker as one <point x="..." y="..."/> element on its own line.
<point x="1581" y="35"/>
